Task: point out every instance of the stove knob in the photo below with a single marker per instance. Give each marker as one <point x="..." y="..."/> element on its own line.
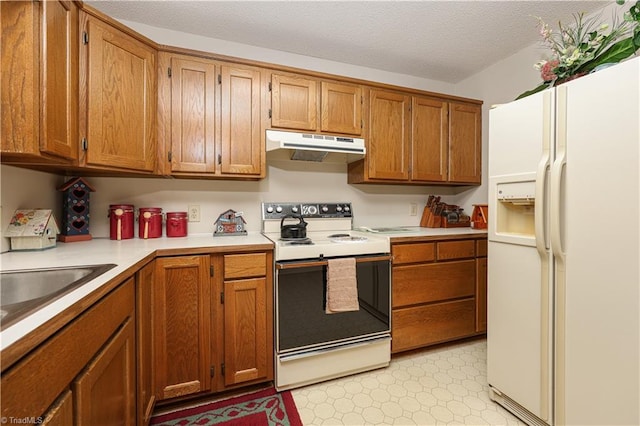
<point x="347" y="208"/>
<point x="325" y="209"/>
<point x="294" y="209"/>
<point x="270" y="209"/>
<point x="338" y="209"/>
<point x="279" y="209"/>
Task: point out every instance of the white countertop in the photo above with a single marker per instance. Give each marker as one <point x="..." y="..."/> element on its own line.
<point x="124" y="254"/>
<point x="417" y="231"/>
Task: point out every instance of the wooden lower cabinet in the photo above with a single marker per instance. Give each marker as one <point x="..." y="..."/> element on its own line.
<point x="105" y="391"/>
<point x="213" y="327"/>
<point x="439" y="291"/>
<point x="145" y="285"/>
<point x="83" y="372"/>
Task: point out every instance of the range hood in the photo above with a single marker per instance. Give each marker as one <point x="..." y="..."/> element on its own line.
<point x="314" y="147"/>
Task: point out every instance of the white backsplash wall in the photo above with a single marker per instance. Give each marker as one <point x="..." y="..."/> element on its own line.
<point x="26" y="189"/>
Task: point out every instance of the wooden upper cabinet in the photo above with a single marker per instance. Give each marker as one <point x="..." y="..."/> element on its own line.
<point x="388" y="141"/>
<point x="297" y="102"/>
<point x="429" y="140"/>
<point x="294" y="102"/>
<point x="241" y="140"/>
<point x="39" y="82"/>
<point x="210" y="122"/>
<point x="193" y="119"/>
<point x="341" y="108"/>
<point x="120" y="91"/>
<point x="465" y="143"/>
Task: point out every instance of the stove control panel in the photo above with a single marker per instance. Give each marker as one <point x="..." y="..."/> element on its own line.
<point x="307" y="210"/>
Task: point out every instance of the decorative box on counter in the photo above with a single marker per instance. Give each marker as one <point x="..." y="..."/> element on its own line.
<point x="230" y="223"/>
<point x="34" y="229"/>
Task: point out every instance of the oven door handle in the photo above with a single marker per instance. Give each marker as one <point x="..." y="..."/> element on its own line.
<point x="311" y="263"/>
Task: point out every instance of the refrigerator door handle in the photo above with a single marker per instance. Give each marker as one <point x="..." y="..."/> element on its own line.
<point x="557" y="174"/>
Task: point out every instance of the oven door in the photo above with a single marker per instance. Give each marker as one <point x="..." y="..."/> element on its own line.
<point x="301" y="321"/>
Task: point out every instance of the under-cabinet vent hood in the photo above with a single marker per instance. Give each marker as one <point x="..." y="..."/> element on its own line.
<point x="314" y="147"/>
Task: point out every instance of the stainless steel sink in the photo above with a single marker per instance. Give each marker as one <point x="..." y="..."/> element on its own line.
<point x="25" y="291"/>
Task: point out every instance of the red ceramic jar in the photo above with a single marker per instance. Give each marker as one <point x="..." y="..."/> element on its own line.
<point x="149" y="222"/>
<point x="121" y="221"/>
<point x="176" y="224"/>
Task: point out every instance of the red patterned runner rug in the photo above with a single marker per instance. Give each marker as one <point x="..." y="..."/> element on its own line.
<point x="263" y="408"/>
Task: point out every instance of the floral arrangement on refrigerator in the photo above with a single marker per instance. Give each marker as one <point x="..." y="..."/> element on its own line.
<point x="585" y="45"/>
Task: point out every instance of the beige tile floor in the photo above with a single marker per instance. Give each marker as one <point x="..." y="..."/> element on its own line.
<point x="446" y="385"/>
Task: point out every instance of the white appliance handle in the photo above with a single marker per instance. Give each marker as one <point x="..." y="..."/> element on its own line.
<point x="541" y="180"/>
<point x="557" y="174"/>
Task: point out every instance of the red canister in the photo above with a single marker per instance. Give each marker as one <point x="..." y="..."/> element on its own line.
<point x="149" y="222"/>
<point x="121" y="221"/>
<point x="176" y="224"/>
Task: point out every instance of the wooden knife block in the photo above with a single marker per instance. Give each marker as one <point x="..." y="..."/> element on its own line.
<point x="429" y="220"/>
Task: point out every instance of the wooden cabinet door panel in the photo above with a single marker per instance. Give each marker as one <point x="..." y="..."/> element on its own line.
<point x="241" y="139"/>
<point x="193" y="119"/>
<point x="294" y="102"/>
<point x="429" y="140"/>
<point x="59" y="76"/>
<point x="182" y="321"/>
<point x="465" y="143"/>
<point x="388" y="149"/>
<point x="481" y="294"/>
<point x="433" y="282"/>
<point x="105" y="392"/>
<point x="423" y="325"/>
<point x="145" y="284"/>
<point x="413" y="253"/>
<point x="246" y="331"/>
<point x="447" y="250"/>
<point x="245" y="265"/>
<point x="121" y="99"/>
<point x="341" y="108"/>
<point x="61" y="414"/>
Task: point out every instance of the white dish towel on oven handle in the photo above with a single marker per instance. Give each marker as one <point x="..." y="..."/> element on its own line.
<point x="342" y="286"/>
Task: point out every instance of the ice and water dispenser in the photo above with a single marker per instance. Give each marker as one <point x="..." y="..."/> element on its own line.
<point x="514" y="220"/>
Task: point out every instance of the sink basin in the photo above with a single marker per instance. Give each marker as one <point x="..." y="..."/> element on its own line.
<point x="25" y="291"/>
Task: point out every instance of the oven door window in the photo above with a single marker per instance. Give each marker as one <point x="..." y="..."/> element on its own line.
<point x="301" y="294"/>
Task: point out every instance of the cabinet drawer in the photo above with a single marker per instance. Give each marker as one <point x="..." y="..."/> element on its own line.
<point x="481" y="248"/>
<point x="423" y="325"/>
<point x="245" y="265"/>
<point x="456" y="249"/>
<point x="413" y="253"/>
<point x="433" y="282"/>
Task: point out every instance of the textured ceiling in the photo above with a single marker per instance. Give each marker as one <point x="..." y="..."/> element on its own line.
<point x="439" y="40"/>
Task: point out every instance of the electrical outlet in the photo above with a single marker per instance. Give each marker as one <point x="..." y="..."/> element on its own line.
<point x="413" y="210"/>
<point x="194" y="213"/>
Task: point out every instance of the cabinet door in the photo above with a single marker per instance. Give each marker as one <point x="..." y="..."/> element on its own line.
<point x="61" y="414"/>
<point x="388" y="150"/>
<point x="242" y="147"/>
<point x="121" y="99"/>
<point x="429" y="140"/>
<point x="144" y="339"/>
<point x="39" y="81"/>
<point x="465" y="143"/>
<point x="245" y="330"/>
<point x="105" y="392"/>
<point x="59" y="76"/>
<point x="341" y="108"/>
<point x="294" y="102"/>
<point x="481" y="294"/>
<point x="182" y="326"/>
<point x="193" y="119"/>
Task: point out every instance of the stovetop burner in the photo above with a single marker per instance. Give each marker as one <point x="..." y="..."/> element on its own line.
<point x="338" y="235"/>
<point x="297" y="241"/>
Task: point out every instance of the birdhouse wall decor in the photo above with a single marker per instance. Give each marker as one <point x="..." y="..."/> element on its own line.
<point x="230" y="223"/>
<point x="75" y="210"/>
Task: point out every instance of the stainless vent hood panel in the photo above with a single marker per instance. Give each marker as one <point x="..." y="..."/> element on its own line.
<point x="314" y="147"/>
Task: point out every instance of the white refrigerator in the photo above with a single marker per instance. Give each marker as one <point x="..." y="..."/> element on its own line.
<point x="563" y="338"/>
